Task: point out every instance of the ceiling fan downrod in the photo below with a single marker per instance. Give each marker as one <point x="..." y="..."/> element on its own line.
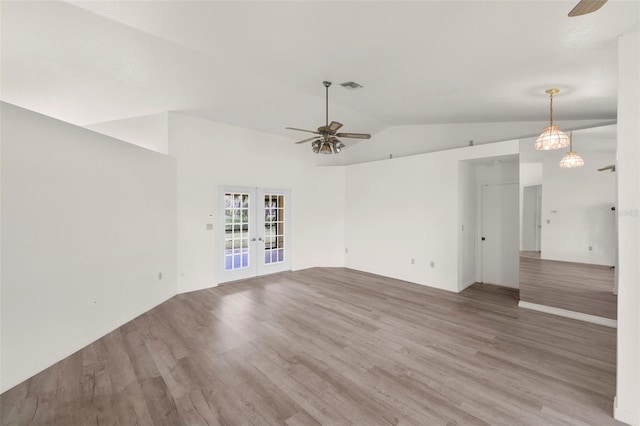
<point x="326" y="122"/>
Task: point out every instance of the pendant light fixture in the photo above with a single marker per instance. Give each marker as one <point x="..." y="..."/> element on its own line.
<point x="552" y="137"/>
<point x="572" y="159"/>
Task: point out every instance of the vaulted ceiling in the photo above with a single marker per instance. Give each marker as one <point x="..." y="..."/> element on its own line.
<point x="261" y="65"/>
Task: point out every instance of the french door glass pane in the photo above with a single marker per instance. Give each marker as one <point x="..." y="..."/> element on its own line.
<point x="274" y="228"/>
<point x="236" y="230"/>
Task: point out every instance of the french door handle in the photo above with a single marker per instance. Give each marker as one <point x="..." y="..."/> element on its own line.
<point x="253" y="239"/>
<point x="260" y="239"/>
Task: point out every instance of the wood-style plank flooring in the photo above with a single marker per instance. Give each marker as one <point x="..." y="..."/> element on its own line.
<point x="577" y="287"/>
<point x="331" y="347"/>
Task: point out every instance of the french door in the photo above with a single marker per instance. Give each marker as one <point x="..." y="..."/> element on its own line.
<point x="253" y="232"/>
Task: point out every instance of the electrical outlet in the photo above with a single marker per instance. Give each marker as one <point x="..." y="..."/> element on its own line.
<point x="159" y="275"/>
<point x="413" y="261"/>
<point x="590" y="248"/>
<point x="346" y="251"/>
<point x="432" y="264"/>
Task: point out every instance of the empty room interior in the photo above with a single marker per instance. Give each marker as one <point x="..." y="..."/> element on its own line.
<point x="320" y="213"/>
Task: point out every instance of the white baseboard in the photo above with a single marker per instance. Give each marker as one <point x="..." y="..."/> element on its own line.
<point x="624" y="416"/>
<point x="465" y="285"/>
<point x="569" y="314"/>
<point x="15" y="378"/>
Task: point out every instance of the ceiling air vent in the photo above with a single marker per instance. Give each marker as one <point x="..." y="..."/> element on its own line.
<point x="351" y="85"/>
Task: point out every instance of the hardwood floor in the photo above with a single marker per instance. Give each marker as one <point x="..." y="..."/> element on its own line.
<point x="531" y="254"/>
<point x="331" y="347"/>
<point x="577" y="287"/>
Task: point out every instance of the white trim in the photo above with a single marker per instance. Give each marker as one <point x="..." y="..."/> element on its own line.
<point x="462" y="286"/>
<point x="624" y="416"/>
<point x="569" y="314"/>
<point x="479" y="231"/>
<point x="47" y="361"/>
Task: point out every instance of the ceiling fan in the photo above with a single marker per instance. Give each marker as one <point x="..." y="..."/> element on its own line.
<point x="326" y="140"/>
<point x="611" y="167"/>
<point x="586" y="6"/>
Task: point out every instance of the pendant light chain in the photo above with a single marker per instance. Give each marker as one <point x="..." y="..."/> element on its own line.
<point x="552" y="137"/>
<point x="551" y="109"/>
<point x="571" y="141"/>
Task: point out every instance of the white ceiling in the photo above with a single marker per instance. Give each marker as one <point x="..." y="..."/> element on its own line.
<point x="260" y="64"/>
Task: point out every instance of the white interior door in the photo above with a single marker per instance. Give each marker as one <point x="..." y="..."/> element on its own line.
<point x="531" y="217"/>
<point x="253" y="232"/>
<point x="499" y="234"/>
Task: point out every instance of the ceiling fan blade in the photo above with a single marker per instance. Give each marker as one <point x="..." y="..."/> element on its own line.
<point x="586" y="6"/>
<point x="354" y="135"/>
<point x="334" y="126"/>
<point x="302" y="130"/>
<point x="307" y="140"/>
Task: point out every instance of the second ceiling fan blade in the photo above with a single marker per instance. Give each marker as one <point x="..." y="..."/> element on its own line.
<point x="354" y="135"/>
<point x="334" y="126"/>
<point x="302" y="130"/>
<point x="586" y="6"/>
<point x="307" y="140"/>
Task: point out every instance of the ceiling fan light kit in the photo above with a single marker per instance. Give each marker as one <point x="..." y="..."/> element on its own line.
<point x="552" y="137"/>
<point x="326" y="141"/>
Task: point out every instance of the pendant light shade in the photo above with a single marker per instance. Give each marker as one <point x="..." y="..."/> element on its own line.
<point x="552" y="137"/>
<point x="572" y="159"/>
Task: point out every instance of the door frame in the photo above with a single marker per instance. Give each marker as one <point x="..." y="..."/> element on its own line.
<point x="256" y="235"/>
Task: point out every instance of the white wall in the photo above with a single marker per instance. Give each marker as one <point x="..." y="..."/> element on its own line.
<point x="148" y="131"/>
<point x="628" y="204"/>
<point x="88" y="222"/>
<point x="325" y="215"/>
<point x="210" y="154"/>
<point x="530" y="174"/>
<point x="577" y="203"/>
<point x="504" y="171"/>
<point x="407" y="208"/>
